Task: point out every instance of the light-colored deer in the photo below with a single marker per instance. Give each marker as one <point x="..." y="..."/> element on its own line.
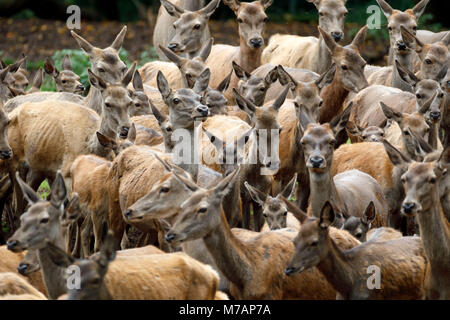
<point x="309" y="52"/>
<point x="348" y="270"/>
<point x="182" y="26"/>
<point x="66" y="80"/>
<point x="421" y="183"/>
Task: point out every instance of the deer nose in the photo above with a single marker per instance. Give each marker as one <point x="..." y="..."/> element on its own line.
<point x="337" y="35"/>
<point x="435" y="115"/>
<point x="172" y="46"/>
<point x="12" y="244"/>
<point x="203" y="110"/>
<point x="124" y="132"/>
<point x="256" y="42"/>
<point x="316" y="162"/>
<point x="5" y="155"/>
<point x="170" y="237"/>
<point x="401" y="45"/>
<point x="408" y="207"/>
<point x="22" y="268"/>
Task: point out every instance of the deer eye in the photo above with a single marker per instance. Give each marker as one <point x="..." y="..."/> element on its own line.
<point x="266" y="19"/>
<point x="432" y="180"/>
<point x="418" y="96"/>
<point x="285" y="213"/>
<point x="358" y="235"/>
<point x="428" y="61"/>
<point x="262" y="89"/>
<point x="101" y="70"/>
<point x="63" y="81"/>
<point x="441" y="95"/>
<point x="197" y="27"/>
<point x="403" y="180"/>
<point x="265" y="215"/>
<point x="169" y="129"/>
<point x="314" y="243"/>
<point x="107" y="104"/>
<point x="239" y="20"/>
<point x="137" y="105"/>
<point x="406" y="133"/>
<point x="202" y="210"/>
<point x="414" y="28"/>
<point x="164" y="190"/>
<point x="390" y="28"/>
<point x="320" y="103"/>
<point x="344" y="67"/>
<point x="176" y="101"/>
<point x="43" y="221"/>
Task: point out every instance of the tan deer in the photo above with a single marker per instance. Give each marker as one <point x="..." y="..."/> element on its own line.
<point x="182" y="26"/>
<point x="66" y="80"/>
<point x="104" y="62"/>
<point x="396" y="19"/>
<point x="347" y="270"/>
<point x="309" y="52"/>
<point x="252" y="19"/>
<point x="180" y="72"/>
<point x="17" y="76"/>
<point x="254" y="268"/>
<point x="422" y="199"/>
<point x="57" y="138"/>
<point x="141" y="102"/>
<point x="37" y="82"/>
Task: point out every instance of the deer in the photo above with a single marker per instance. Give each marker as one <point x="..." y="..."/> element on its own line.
<point x="13" y="287"/>
<point x="182" y="26"/>
<point x="66" y="80"/>
<point x="275" y="212"/>
<point x="309" y="52"/>
<point x="141" y="102"/>
<point x="396" y="19"/>
<point x="254" y="268"/>
<point x="360" y="134"/>
<point x="423" y="200"/>
<point x="341" y="190"/>
<point x="180" y="72"/>
<point x="16" y="76"/>
<point x="349" y="75"/>
<point x="361" y="228"/>
<point x="251" y="18"/>
<point x="37" y="82"/>
<point x="347" y="270"/>
<point x="68" y="141"/>
<point x="6" y="92"/>
<point x="104" y="62"/>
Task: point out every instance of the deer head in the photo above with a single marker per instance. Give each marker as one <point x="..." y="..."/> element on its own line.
<point x="66" y="80"/>
<point x="274" y="208"/>
<point x="215" y="99"/>
<point x="332" y="15"/>
<point x="16" y="78"/>
<point x="252" y="20"/>
<point x="254" y="88"/>
<point x="349" y="63"/>
<point x="189" y="28"/>
<point x="166" y="127"/>
<point x="105" y="62"/>
<point x="369" y="134"/>
<point x="358" y="227"/>
<point x="5" y="150"/>
<point x="141" y="102"/>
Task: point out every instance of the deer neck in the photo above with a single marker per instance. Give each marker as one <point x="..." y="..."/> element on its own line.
<point x="337" y="269"/>
<point x="433" y="139"/>
<point x="229" y="253"/>
<point x="54" y="276"/>
<point x="191" y="163"/>
<point x="333" y="97"/>
<point x="323" y="189"/>
<point x="94" y="100"/>
<point x="405" y="60"/>
<point x="323" y="57"/>
<point x="434" y="230"/>
<point x="249" y="58"/>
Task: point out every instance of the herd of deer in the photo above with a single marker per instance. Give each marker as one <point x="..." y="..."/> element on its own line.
<point x="311" y="229"/>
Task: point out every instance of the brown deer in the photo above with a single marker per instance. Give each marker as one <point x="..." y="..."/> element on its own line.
<point x="57" y="138"/>
<point x="396" y="19"/>
<point x="37" y="82"/>
<point x="348" y="270"/>
<point x="16" y="76"/>
<point x="254" y="268"/>
<point x="66" y="80"/>
<point x="180" y="72"/>
<point x="6" y="152"/>
<point x="309" y="52"/>
<point x="422" y="200"/>
<point x="341" y="190"/>
<point x="359" y="134"/>
<point x="182" y="26"/>
<point x="141" y="102"/>
<point x="252" y="19"/>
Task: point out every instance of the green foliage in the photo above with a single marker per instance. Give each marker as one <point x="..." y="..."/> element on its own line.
<point x="44" y="190"/>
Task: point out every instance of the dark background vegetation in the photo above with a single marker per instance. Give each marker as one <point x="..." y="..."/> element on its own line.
<point x="38" y="27"/>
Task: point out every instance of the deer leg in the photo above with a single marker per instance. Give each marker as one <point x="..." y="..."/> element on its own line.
<point x="76" y="247"/>
<point x="86" y="231"/>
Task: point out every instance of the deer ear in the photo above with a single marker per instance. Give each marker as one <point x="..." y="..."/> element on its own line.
<point x="385" y="7"/>
<point x="353" y="129"/>
<point x="271" y="77"/>
<point x="285" y="78"/>
<point x="289" y="189"/>
<point x="419" y="8"/>
<point x="266" y="3"/>
<point x="390" y="113"/>
<point x="296" y="211"/>
<point x="105" y="141"/>
<point x="206" y="50"/>
<point x="329" y="41"/>
<point x="210" y="8"/>
<point x="369" y="214"/>
<point x="108" y="251"/>
<point x="397" y="158"/>
<point x="233" y="4"/>
<point x="225" y="84"/>
<point x="446" y="39"/>
<point x="137" y="81"/>
<point x="188" y="183"/>
<point x="218" y="143"/>
<point x="281" y="99"/>
<point x="304" y="118"/>
<point x="128" y="75"/>
<point x="171" y="56"/>
<point x="406" y="74"/>
<point x="441" y="75"/>
<point x="97" y="81"/>
<point x="444" y="160"/>
<point x="58" y="256"/>
<point x="118" y="41"/>
<point x="244" y="104"/>
<point x="225" y="186"/>
<point x="66" y="63"/>
<point x="240" y="72"/>
<point x="38" y="78"/>
<point x="73" y="207"/>
<point x="132" y="133"/>
<point x="172" y="9"/>
<point x="410" y="39"/>
<point x="202" y="82"/>
<point x="163" y="85"/>
<point x="84" y="45"/>
<point x="426" y="106"/>
<point x="338" y="122"/>
<point x="158" y="115"/>
<point x="50" y="68"/>
<point x="257" y="196"/>
<point x="29" y="194"/>
<point x="327" y="216"/>
<point x="327" y="77"/>
<point x="358" y="41"/>
<point x="58" y="191"/>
